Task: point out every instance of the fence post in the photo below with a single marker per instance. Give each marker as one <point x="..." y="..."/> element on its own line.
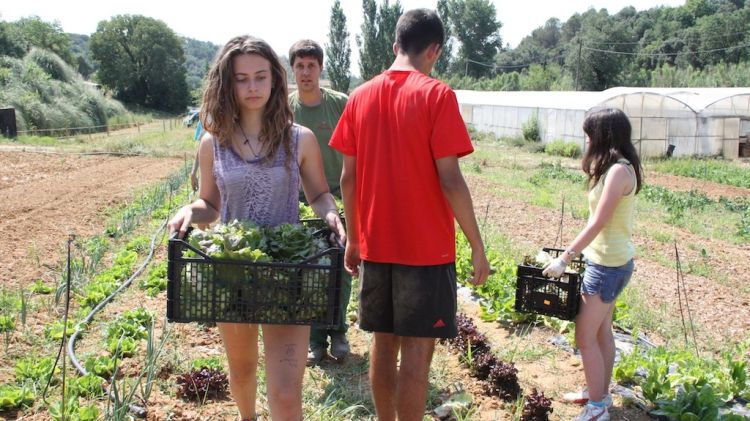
<point x="163" y="126"/>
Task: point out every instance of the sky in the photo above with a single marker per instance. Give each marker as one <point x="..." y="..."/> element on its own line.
<point x="282" y="22"/>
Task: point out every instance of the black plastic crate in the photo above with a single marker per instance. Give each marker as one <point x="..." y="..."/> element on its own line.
<point x="203" y="289"/>
<point x="536" y="293"/>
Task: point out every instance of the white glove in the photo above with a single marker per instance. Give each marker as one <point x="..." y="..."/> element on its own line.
<point x="555" y="268"/>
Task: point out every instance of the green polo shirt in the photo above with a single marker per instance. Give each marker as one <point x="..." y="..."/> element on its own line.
<point x="322" y="120"/>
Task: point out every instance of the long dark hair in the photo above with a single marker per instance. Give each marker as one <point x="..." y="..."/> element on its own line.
<point x="609" y="133"/>
<point x="220" y="112"/>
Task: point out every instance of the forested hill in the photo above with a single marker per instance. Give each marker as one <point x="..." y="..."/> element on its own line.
<point x="198" y="58"/>
<point x="702" y="43"/>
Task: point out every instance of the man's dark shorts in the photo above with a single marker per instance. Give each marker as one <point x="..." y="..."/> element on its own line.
<point x="408" y="300"/>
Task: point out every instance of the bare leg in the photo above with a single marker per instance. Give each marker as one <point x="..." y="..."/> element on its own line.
<point x="593" y="314"/>
<point x="606" y="342"/>
<point x="416" y="356"/>
<point x="241" y="345"/>
<point x="285" y="356"/>
<point x="383" y="357"/>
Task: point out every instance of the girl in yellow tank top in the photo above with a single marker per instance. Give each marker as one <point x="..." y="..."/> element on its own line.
<point x="614" y="172"/>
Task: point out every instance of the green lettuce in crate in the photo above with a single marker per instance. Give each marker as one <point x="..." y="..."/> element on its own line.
<point x="280" y="294"/>
<point x="291" y="243"/>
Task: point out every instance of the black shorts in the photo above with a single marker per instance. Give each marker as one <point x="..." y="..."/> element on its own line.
<point x="408" y="300"/>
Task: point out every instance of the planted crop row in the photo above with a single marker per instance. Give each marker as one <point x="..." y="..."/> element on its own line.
<point x="677" y="205"/>
<point x="714" y="170"/>
<point x="681" y="385"/>
<point x="155" y="202"/>
<point x="499" y="378"/>
<point x="89" y="286"/>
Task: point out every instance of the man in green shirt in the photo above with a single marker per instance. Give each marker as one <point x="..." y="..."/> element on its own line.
<point x="319" y="110"/>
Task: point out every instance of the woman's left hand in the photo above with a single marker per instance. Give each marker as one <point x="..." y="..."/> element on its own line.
<point x="337" y="227"/>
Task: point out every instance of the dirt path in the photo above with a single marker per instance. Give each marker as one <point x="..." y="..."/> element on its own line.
<point x="44" y="197"/>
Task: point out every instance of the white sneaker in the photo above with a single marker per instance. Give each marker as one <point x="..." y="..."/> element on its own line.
<point x="593" y="413"/>
<point x="582" y="398"/>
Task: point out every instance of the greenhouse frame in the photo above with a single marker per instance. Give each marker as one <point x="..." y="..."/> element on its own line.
<point x="683" y="121"/>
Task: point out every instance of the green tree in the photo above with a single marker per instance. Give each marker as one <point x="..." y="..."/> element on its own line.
<point x="142" y="60"/>
<point x="699" y="8"/>
<point x="594" y="66"/>
<point x="367" y="41"/>
<point x="81" y="52"/>
<point x="477" y="29"/>
<point x="388" y="15"/>
<point x="540" y="78"/>
<point x="338" y="50"/>
<point x="11" y="41"/>
<point x="378" y="35"/>
<point x="48" y="36"/>
<point x="444" y="62"/>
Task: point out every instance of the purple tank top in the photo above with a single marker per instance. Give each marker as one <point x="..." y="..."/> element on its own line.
<point x="265" y="193"/>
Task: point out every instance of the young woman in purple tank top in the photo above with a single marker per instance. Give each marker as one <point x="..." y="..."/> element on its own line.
<point x="252" y="162"/>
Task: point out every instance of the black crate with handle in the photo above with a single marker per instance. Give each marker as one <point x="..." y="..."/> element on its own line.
<point x="557" y="297"/>
<point x="205" y="289"/>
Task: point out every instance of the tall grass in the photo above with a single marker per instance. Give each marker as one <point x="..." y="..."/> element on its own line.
<point x="48" y="94"/>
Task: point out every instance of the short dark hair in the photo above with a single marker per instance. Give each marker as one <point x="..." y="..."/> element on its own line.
<point x="305" y="48"/>
<point x="417" y="29"/>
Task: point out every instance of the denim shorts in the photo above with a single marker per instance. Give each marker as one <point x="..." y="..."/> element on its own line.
<point x="606" y="281"/>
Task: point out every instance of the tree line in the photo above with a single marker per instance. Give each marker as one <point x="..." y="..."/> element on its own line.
<point x="701" y="43"/>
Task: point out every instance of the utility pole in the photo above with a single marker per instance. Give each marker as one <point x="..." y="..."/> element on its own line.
<point x="578" y="63"/>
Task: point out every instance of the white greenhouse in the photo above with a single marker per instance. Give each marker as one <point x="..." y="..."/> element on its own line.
<point x="695" y="121"/>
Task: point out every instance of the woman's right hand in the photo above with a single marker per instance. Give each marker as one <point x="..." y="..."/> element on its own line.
<point x="181" y="221"/>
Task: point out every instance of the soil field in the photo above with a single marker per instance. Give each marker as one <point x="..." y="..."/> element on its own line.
<point x="43" y="197"/>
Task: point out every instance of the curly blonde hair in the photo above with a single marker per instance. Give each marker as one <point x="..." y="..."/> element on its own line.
<point x="220" y="112"/>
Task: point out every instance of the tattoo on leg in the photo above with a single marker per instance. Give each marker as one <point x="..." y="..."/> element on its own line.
<point x="289" y="355"/>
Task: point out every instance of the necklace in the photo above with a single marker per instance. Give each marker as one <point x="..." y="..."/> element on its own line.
<point x="247" y="142"/>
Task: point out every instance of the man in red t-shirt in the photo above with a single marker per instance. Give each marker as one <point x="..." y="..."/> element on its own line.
<point x="401" y="134"/>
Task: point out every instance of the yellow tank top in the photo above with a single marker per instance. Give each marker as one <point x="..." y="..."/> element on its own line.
<point x="613" y="246"/>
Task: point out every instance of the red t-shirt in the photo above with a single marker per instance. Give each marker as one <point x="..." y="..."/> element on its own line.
<point x="397" y="125"/>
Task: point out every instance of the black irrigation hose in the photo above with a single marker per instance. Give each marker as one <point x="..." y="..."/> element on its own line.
<point x="135" y="409"/>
